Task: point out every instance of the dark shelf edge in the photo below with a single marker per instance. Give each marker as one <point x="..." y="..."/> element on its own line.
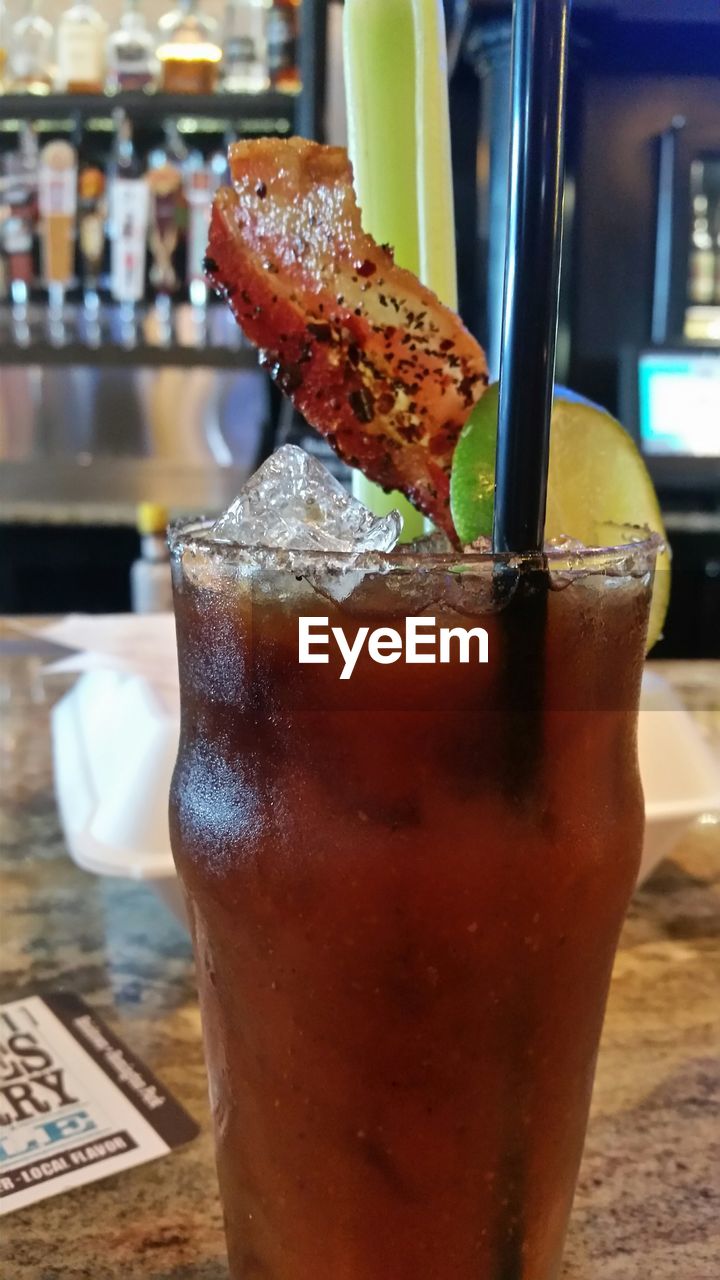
<point x="29" y="106"/>
<point x="141" y="356"/>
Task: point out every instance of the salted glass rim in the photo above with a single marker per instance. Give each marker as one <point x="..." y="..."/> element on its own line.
<point x="635" y="553"/>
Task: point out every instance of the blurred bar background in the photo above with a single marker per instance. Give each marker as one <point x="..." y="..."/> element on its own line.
<point x="122" y="381"/>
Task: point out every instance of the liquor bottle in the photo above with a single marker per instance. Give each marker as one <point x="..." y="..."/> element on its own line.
<point x="245" y="47"/>
<point x="30" y="52"/>
<point x="131" y="60"/>
<point x="188" y="53"/>
<point x="282" y="37"/>
<point x="701" y="269"/>
<point x="81" y="49"/>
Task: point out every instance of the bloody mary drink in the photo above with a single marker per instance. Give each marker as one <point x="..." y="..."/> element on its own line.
<point x="405" y="889"/>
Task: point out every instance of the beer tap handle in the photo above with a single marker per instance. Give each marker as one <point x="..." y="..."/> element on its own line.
<point x="200" y="181"/>
<point x="57" y="198"/>
<point x="91" y="241"/>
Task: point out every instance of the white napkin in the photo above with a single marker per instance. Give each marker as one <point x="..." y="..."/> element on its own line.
<point x="137" y="644"/>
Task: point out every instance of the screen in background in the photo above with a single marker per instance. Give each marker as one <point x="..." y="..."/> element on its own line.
<point x="680" y="403"/>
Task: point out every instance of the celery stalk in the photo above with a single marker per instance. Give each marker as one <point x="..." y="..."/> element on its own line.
<point x="379" y="59"/>
<point x="438" y="268"/>
<point x="399" y="139"/>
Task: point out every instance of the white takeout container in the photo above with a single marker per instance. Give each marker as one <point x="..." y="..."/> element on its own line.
<point x="115" y="740"/>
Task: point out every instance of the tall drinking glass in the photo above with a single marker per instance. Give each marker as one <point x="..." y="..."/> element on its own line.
<point x="405" y="888"/>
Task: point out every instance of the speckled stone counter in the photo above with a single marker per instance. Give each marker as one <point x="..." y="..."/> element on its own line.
<point x="648" y="1202"/>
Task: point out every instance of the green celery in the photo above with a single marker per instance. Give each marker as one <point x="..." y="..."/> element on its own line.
<point x="399" y="139"/>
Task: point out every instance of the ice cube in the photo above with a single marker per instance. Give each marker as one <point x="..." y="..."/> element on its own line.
<point x="293" y="502"/>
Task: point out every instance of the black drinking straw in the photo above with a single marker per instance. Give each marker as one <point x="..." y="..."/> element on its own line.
<point x="532" y="272"/>
<point x="527" y="369"/>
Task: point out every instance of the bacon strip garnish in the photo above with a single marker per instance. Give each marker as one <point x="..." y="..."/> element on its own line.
<point x="368" y="355"/>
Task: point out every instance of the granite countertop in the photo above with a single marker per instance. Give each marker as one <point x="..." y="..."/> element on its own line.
<point x="648" y="1202"/>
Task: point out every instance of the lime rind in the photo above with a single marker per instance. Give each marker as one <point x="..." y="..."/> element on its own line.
<point x="597" y="478"/>
<point x="472" y="481"/>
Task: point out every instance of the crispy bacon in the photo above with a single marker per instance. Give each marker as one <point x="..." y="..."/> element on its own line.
<point x="370" y="356"/>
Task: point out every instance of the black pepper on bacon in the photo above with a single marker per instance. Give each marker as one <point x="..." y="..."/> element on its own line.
<point x="308" y="285"/>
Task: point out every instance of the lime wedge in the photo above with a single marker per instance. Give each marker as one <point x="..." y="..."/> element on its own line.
<point x="597" y="477"/>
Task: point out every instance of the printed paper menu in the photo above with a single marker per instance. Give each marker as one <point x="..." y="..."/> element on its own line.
<point x="76" y="1104"/>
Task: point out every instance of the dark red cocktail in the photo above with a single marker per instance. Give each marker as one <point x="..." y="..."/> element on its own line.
<point x="406" y="890"/>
